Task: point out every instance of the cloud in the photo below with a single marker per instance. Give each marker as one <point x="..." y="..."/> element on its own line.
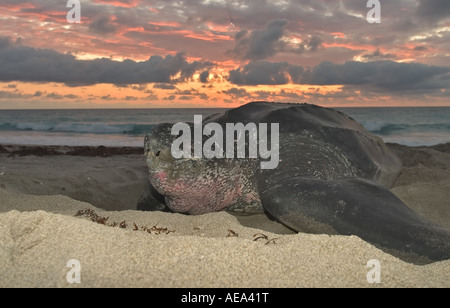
<point x="314" y="43"/>
<point x="295" y="36"/>
<point x="54" y="95"/>
<point x="420" y="48"/>
<point x="185" y="98"/>
<point x="164" y="86"/>
<point x="204" y="77"/>
<point x="151" y="97"/>
<point x="141" y="87"/>
<point x="291" y="95"/>
<point x="187" y="92"/>
<point x="273" y="39"/>
<point x="433" y="10"/>
<point x="203" y="96"/>
<point x="21" y="63"/>
<point x="131" y="98"/>
<point x="190" y="94"/>
<point x="377" y="55"/>
<point x="237" y="93"/>
<point x="120" y="3"/>
<point x="386" y="75"/>
<point x="260" y="44"/>
<point x="261" y="73"/>
<point x="102" y="25"/>
<point x="57" y="96"/>
<point x="311" y="44"/>
<point x="4" y="42"/>
<point x="12" y="95"/>
<point x="170" y="98"/>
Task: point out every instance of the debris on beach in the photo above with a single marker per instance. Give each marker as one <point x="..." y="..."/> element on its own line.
<point x="92" y="216"/>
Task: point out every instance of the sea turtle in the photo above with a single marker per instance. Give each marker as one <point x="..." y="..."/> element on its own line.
<point x="332" y="178"/>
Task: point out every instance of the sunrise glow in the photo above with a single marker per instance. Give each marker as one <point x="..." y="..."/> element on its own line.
<point x="183" y="54"/>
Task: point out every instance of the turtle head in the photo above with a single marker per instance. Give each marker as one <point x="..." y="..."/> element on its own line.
<point x="157" y="146"/>
<point x="180" y="181"/>
<point x="191" y="185"/>
<point x="163" y="167"/>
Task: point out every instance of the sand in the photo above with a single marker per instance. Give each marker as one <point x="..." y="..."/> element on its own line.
<point x="39" y="232"/>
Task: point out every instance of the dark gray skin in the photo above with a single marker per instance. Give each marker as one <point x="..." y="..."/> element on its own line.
<point x="333" y="178"/>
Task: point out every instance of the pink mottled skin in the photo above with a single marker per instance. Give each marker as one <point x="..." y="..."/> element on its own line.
<point x="196" y="196"/>
<point x="161" y="176"/>
<point x="200" y="186"/>
<point x="252" y="196"/>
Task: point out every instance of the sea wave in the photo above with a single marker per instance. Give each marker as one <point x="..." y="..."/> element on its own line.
<point x="80" y="128"/>
<point x="375" y="127"/>
<point x="387" y="129"/>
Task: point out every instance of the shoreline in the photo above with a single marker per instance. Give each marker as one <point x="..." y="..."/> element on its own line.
<point x="51" y="150"/>
<point x="108" y="151"/>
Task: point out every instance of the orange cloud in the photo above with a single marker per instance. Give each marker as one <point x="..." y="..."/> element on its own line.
<point x="351" y="46"/>
<point x="118" y="3"/>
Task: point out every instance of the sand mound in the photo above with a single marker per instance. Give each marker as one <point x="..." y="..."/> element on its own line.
<point x="36" y="246"/>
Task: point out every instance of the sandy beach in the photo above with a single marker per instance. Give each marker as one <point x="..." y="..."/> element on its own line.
<point x="43" y="188"/>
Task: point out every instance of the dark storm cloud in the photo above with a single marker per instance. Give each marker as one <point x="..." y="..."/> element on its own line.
<point x="261" y="73"/>
<point x="22" y="63"/>
<point x="386" y="75"/>
<point x="314" y="43"/>
<point x="376" y="76"/>
<point x="4" y="42"/>
<point x="433" y="10"/>
<point x="260" y="44"/>
<point x="378" y="55"/>
<point x="102" y="25"/>
<point x="204" y="77"/>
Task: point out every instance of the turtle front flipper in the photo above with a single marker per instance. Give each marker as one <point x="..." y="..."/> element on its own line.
<point x="152" y="201"/>
<point x="358" y="207"/>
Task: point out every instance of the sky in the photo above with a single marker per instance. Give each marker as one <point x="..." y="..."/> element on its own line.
<point x="218" y="53"/>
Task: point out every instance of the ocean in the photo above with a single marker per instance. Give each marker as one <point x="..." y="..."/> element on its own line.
<point x="127" y="127"/>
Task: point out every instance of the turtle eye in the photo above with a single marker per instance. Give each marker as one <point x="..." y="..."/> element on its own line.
<point x="158" y="153"/>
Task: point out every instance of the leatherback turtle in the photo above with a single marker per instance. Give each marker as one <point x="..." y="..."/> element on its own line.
<point x="332" y="178"/>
